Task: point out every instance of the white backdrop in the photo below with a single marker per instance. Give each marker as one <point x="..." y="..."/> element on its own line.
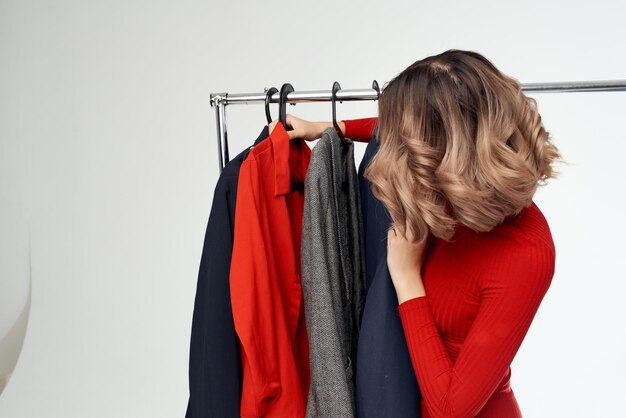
<point x="108" y="144"/>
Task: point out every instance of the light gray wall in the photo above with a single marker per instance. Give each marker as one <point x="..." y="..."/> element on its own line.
<point x="108" y="143"/>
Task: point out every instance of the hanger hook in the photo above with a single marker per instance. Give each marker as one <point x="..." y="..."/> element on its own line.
<point x="336" y="88"/>
<point x="268" y="97"/>
<point x="375" y="87"/>
<point x="282" y="103"/>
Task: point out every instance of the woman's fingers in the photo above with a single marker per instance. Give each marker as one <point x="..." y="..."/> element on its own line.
<point x="300" y="128"/>
<point x="294" y="134"/>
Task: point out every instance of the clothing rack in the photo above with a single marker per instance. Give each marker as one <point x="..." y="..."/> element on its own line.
<point x="221" y="100"/>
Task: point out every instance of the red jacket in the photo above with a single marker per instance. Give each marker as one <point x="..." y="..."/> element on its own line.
<point x="266" y="295"/>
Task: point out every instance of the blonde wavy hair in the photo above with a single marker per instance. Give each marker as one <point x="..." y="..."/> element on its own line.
<point x="459" y="142"/>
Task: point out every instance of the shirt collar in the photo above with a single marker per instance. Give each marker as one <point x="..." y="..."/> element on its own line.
<point x="281" y="147"/>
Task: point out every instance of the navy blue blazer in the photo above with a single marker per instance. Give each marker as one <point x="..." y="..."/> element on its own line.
<point x="386" y="385"/>
<point x="215" y="372"/>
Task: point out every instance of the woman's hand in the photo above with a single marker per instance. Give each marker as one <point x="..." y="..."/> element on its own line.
<point x="307" y="130"/>
<point x="405" y="257"/>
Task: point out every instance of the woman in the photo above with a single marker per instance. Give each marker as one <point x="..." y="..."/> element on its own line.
<point x="462" y="151"/>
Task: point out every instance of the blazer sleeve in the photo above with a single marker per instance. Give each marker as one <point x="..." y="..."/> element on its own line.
<point x="511" y="295"/>
<point x="214" y="354"/>
<point x="330" y="394"/>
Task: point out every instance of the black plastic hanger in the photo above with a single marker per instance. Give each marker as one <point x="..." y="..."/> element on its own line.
<point x="375" y="87"/>
<point x="336" y="88"/>
<point x="282" y="103"/>
<point x="268" y="96"/>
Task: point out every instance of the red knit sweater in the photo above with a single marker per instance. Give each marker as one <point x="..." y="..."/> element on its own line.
<point x="482" y="292"/>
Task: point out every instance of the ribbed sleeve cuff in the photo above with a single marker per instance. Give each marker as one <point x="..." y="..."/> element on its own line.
<point x="415" y="313"/>
<point x="360" y="130"/>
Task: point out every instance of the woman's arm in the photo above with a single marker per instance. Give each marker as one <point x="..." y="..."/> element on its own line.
<point x="359" y="130"/>
<point x="510" y="297"/>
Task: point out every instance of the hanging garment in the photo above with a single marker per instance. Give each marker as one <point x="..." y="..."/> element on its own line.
<point x="265" y="284"/>
<point x="386" y="385"/>
<point x="214" y="355"/>
<point x="333" y="274"/>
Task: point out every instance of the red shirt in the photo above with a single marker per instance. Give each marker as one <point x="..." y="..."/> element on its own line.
<point x="267" y="301"/>
<point x="482" y="292"/>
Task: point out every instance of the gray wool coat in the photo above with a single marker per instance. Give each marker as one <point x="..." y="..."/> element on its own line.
<point x="332" y="274"/>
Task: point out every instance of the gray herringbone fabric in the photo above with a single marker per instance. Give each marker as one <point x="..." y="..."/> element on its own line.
<point x="333" y="274"/>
